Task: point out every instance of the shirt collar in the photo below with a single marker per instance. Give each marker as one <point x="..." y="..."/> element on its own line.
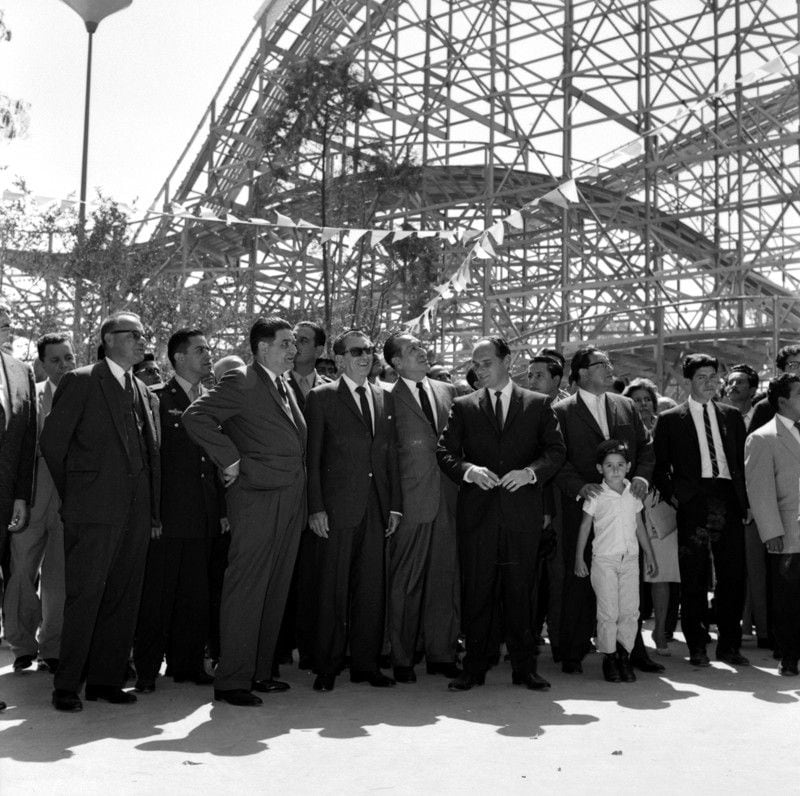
<point x="786" y="421"/>
<point x="505" y="392"/>
<point x="696" y="405"/>
<point x="273" y="376"/>
<point x="590" y="398"/>
<point x="117" y="371"/>
<point x="187" y="386"/>
<point x="626" y="485"/>
<point x="310" y="379"/>
<point x="352" y="385"/>
<point x="412" y="385"/>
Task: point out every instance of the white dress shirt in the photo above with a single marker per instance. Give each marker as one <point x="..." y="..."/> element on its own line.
<point x="187" y="387"/>
<point x="352" y="386"/>
<point x="426" y="385"/>
<point x="118" y="372"/>
<point x="596" y="404"/>
<point x="305" y="383"/>
<point x="696" y="410"/>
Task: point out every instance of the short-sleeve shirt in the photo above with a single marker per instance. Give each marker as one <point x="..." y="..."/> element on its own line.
<point x="614" y="516"/>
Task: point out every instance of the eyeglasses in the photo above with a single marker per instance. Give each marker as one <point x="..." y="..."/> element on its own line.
<point x="606" y="363"/>
<point x="134" y="333"/>
<point x="359" y="351"/>
<point x="792" y="364"/>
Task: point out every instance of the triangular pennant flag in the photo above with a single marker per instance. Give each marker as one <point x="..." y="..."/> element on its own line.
<point x="427" y="233"/>
<point x="208" y="214"/>
<point x="514" y="220"/>
<point x="497" y="231"/>
<point x="445" y="290"/>
<point x="328" y="233"/>
<point x="354" y="236"/>
<point x="260" y="221"/>
<point x="533" y="204"/>
<point x="257" y="174"/>
<point x="450" y="235"/>
<point x="775" y="66"/>
<point x="478" y="251"/>
<point x="424" y="321"/>
<point x="569" y="190"/>
<point x="284" y="221"/>
<point x="634" y="148"/>
<point x="486" y="245"/>
<point x="401" y="234"/>
<point x="469" y="234"/>
<point x="307" y="224"/>
<point x="555" y="198"/>
<point x="377" y="235"/>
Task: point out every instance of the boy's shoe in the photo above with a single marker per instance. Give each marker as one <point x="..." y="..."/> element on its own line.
<point x="611" y="672"/>
<point x="625" y="666"/>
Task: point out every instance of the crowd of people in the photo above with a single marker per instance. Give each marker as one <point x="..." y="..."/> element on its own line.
<point x="363" y="513"/>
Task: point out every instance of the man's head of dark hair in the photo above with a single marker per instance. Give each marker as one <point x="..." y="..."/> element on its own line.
<point x="339" y="342"/>
<point x="179" y="342"/>
<point x="319" y="333"/>
<point x="554" y="354"/>
<point x="693" y="362"/>
<point x="610" y="446"/>
<point x="581" y="359"/>
<point x="783" y="355"/>
<point x="752" y="376"/>
<point x="554" y="367"/>
<point x="112" y="322"/>
<point x="781" y="387"/>
<point x="51" y="338"/>
<point x="472" y="377"/>
<point x="266" y="329"/>
<point x="391" y="348"/>
<point x="500" y="345"/>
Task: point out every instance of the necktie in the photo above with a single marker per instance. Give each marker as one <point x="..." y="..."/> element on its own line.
<point x="194" y="392"/>
<point x="362" y="396"/>
<point x="498" y="409"/>
<point x="281" y="390"/>
<point x="129" y="387"/>
<point x="425" y="403"/>
<point x="712" y="451"/>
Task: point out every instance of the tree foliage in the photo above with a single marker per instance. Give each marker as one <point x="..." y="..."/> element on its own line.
<point x="14" y="117"/>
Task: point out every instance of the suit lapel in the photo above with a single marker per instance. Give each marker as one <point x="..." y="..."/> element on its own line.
<point x="611" y="414"/>
<point x="377" y="402"/>
<point x="109" y="385"/>
<point x="585" y="414"/>
<point x="485" y="403"/>
<point x="514" y="405"/>
<point x="787" y="438"/>
<point x="403" y="393"/>
<point x="347" y="398"/>
<point x="689" y="428"/>
<point x="442" y="405"/>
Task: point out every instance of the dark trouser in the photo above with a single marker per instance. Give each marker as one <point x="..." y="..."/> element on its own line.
<point x="578" y="611"/>
<point x="712" y="519"/>
<point x="548" y="593"/>
<point x="498" y="569"/>
<point x="217" y="565"/>
<point x="351" y="593"/>
<point x="173" y="615"/>
<point x="424" y="590"/>
<point x="307" y="578"/>
<point x="103" y="569"/>
<point x="785" y="569"/>
<point x="265" y="533"/>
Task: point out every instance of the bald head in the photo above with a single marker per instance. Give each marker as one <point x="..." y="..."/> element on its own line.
<point x="222" y="366"/>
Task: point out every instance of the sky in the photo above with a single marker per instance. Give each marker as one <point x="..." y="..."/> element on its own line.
<point x="156" y="66"/>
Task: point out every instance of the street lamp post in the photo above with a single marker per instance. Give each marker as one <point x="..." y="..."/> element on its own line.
<point x="92" y="12"/>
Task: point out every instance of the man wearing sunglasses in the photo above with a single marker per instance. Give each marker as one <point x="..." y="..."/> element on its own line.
<point x="100" y="445"/>
<point x="354" y="502"/>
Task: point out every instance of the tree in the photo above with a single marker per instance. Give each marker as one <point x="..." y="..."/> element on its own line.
<point x="13" y="113"/>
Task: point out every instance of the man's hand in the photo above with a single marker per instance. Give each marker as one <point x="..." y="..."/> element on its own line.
<point x="394" y="523"/>
<point x="155" y="531"/>
<point x="774" y="545"/>
<point x="588" y="491"/>
<point x="639" y="488"/>
<point x="581" y="570"/>
<point x="19" y="517"/>
<point x="318" y="522"/>
<point x="230" y="474"/>
<point x="514" y="479"/>
<point x="224" y="525"/>
<point x="484" y="478"/>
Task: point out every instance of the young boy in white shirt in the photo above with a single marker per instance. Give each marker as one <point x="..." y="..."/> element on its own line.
<point x="617" y="519"/>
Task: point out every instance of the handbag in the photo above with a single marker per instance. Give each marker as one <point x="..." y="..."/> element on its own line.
<point x="660" y="518"/>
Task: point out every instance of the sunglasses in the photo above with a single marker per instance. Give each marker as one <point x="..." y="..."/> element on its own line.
<point x="134" y="333"/>
<point x="357" y="351"/>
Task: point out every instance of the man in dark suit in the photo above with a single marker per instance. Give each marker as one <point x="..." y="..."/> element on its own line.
<point x="699" y="448"/>
<point x="251" y="427"/>
<point x="38" y="551"/>
<point x="174" y="612"/>
<point x="501" y="445"/>
<point x="310" y="341"/>
<point x="101" y="447"/>
<point x="354" y="501"/>
<point x="589" y="416"/>
<point x="423" y="589"/>
<point x="786" y="361"/>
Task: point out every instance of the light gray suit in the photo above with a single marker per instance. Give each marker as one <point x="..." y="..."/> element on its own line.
<point x="772" y="473"/>
<point x="424" y="590"/>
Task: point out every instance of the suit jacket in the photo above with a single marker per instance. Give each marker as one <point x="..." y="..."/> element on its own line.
<point x="582" y="435"/>
<point x="344" y="459"/>
<point x="772" y="473"/>
<point x="17" y="438"/>
<point x="192" y="497"/>
<point x="530" y="437"/>
<point x="762" y="414"/>
<point x="43" y="486"/>
<point x="298" y="393"/>
<point x="678" y="469"/>
<point x="242" y="419"/>
<point x="421" y="479"/>
<point x="85" y="446"/>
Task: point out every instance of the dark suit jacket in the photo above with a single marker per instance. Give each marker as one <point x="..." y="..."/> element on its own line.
<point x="582" y="436"/>
<point x="530" y="438"/>
<point x="298" y="393"/>
<point x="192" y="497"/>
<point x="242" y="419"/>
<point x="420" y="477"/>
<point x="17" y="438"/>
<point x="86" y="449"/>
<point x="343" y="457"/>
<point x="678" y="465"/>
<point x="761" y="416"/>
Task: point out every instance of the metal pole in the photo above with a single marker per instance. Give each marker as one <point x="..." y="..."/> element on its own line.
<point x="564" y="328"/>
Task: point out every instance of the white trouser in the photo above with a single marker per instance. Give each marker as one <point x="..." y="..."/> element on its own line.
<point x="615" y="580"/>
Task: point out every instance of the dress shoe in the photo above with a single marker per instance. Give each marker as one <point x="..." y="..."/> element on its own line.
<point x="405" y="674"/>
<point x="376" y="679"/>
<point x="788" y="667"/>
<point x="626" y="667"/>
<point x="23" y="662"/>
<point x="68" y="701"/>
<point x="572" y="667"/>
<point x="449" y="670"/>
<point x="611" y="673"/>
<point x="110" y="693"/>
<point x="699" y="658"/>
<point x="3" y="705"/>
<point x="198" y="678"/>
<point x="47" y="665"/>
<point x="240" y="697"/>
<point x="465" y="681"/>
<point x="645" y="664"/>
<point x="530" y="680"/>
<point x="324" y="682"/>
<point x="269" y="686"/>
<point x="144" y="686"/>
<point x="733" y="658"/>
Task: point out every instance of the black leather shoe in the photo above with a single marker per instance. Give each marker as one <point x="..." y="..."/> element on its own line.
<point x="530" y="680"/>
<point x="449" y="670"/>
<point x="405" y="674"/>
<point x="237" y="696"/>
<point x="734" y="658"/>
<point x="572" y="667"/>
<point x="110" y="693"/>
<point x="465" y="681"/>
<point x="376" y="679"/>
<point x="269" y="686"/>
<point x="788" y="668"/>
<point x="626" y="667"/>
<point x="611" y="673"/>
<point x="198" y="678"/>
<point x="23" y="662"/>
<point x="68" y="701"/>
<point x="144" y="686"/>
<point x="3" y="705"/>
<point x="699" y="658"/>
<point x="645" y="663"/>
<point x="324" y="682"/>
<point x="47" y="665"/>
